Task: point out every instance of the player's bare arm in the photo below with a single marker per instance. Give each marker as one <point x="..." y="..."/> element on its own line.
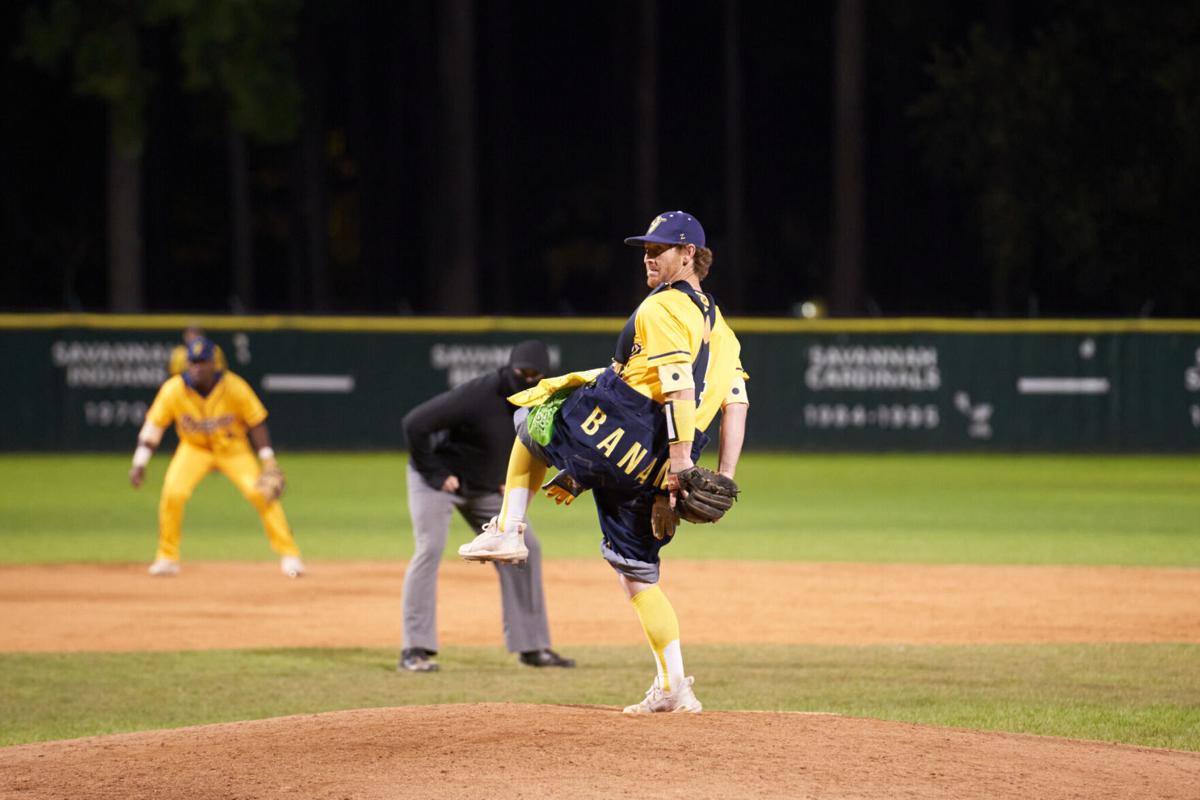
<point x="733" y="434"/>
<point x="271" y="482"/>
<point x="148" y="439"/>
<point x="260" y="437"/>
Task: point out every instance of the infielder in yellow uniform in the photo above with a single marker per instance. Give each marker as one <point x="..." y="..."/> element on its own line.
<point x="213" y="411"/>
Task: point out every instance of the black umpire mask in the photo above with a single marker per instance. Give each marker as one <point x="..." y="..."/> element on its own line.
<point x="527" y="364"/>
<point x="513" y="381"/>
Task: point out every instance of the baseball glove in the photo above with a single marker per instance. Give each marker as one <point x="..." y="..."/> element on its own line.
<point x="704" y="495"/>
<point x="270" y="483"/>
<point x="563" y="488"/>
<point x="663" y="519"/>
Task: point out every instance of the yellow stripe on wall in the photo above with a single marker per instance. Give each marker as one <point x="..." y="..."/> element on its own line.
<point x="275" y="322"/>
<point x="947" y="325"/>
<point x="272" y="322"/>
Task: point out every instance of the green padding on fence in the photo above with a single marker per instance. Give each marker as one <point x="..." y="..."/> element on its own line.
<point x="83" y="382"/>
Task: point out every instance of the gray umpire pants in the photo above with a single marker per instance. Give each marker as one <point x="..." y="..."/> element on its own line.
<point x="526" y="626"/>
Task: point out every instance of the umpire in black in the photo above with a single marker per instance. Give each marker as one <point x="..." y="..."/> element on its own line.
<point x="459" y="443"/>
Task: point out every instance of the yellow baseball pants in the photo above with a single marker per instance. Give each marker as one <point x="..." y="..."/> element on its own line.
<point x="188" y="467"/>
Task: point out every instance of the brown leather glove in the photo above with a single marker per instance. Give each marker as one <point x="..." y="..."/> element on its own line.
<point x="663" y="519"/>
<point x="704" y="495"/>
<point x="270" y="483"/>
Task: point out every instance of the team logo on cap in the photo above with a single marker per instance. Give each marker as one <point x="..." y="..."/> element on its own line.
<point x="197" y="348"/>
<point x="659" y="220"/>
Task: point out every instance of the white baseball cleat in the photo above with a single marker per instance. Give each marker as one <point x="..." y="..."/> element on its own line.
<point x="291" y="566"/>
<point x="656" y="700"/>
<point x="164" y="568"/>
<point x="496" y="545"/>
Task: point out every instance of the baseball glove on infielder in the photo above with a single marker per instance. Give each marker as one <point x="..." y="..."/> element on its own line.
<point x="270" y="483"/>
<point x="704" y="495"/>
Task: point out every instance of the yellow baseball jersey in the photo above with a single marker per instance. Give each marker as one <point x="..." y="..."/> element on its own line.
<point x="217" y="421"/>
<point x="669" y="328"/>
<point x="179" y="359"/>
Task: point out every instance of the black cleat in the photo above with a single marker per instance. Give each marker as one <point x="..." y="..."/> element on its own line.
<point x="416" y="659"/>
<point x="545" y="658"/>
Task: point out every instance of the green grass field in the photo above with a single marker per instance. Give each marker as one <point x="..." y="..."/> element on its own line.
<point x="1143" y="694"/>
<point x="919" y="509"/>
<point x="910" y="509"/>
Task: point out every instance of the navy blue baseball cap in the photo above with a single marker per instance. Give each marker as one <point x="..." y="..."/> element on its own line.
<point x="671" y="227"/>
<point x="200" y="349"/>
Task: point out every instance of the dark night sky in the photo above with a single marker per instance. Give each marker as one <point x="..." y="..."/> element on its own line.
<point x="556" y="122"/>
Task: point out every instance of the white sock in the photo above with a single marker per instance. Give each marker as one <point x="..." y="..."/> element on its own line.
<point x="674" y="657"/>
<point x="516" y="501"/>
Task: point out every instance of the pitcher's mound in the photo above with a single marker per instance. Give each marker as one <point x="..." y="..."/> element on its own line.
<point x="508" y="750"/>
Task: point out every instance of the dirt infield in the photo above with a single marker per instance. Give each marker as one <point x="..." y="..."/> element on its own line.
<point x="357" y="604"/>
<point x="534" y="751"/>
<point x="498" y="750"/>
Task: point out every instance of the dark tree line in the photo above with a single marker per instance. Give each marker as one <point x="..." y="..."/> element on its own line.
<point x="234" y="53"/>
<point x="1079" y="150"/>
<point x="464" y="157"/>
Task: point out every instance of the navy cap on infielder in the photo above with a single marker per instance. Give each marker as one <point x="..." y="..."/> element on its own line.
<point x="200" y="349"/>
<point x="671" y="227"/>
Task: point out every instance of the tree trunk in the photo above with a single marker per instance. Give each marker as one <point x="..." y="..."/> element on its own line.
<point x="389" y="217"/>
<point x="125" y="284"/>
<point x="849" y="226"/>
<point x="502" y="141"/>
<point x="1001" y="215"/>
<point x="733" y="266"/>
<point x="650" y="39"/>
<point x="624" y="212"/>
<point x="242" y="244"/>
<point x="297" y="251"/>
<point x="367" y="126"/>
<point x="313" y="205"/>
<point x="310" y="287"/>
<point x="456" y="261"/>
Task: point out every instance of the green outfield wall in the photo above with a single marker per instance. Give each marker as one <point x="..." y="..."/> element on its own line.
<point x="82" y="382"/>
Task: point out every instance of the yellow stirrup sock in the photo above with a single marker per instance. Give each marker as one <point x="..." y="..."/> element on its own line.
<point x="662" y="632"/>
<point x="524" y="478"/>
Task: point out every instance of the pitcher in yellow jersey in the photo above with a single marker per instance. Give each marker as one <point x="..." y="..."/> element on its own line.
<point x="626" y="431"/>
<point x="214" y="411"/>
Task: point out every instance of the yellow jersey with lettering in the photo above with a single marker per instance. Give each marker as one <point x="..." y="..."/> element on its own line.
<point x="217" y="421"/>
<point x="179" y="359"/>
<point x="668" y="329"/>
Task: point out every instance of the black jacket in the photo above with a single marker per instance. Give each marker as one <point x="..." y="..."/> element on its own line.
<point x="467" y="431"/>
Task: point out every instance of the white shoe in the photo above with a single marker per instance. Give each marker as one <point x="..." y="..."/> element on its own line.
<point x="164" y="568"/>
<point x="656" y="700"/>
<point x="291" y="566"/>
<point x="494" y="545"/>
